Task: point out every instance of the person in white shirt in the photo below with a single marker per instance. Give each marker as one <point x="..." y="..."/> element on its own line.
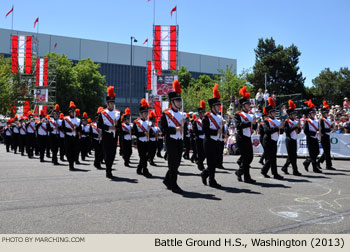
<point x="31" y="134"/>
<point x="266" y="97"/>
<point x="153" y="137"/>
<point x="311" y="132"/>
<point x="213" y="129"/>
<point x="171" y="124"/>
<point x="199" y="134"/>
<point x="43" y="128"/>
<point x="55" y="134"/>
<point x="126" y="137"/>
<point x="259" y="97"/>
<point x="141" y="129"/>
<point x="272" y="129"/>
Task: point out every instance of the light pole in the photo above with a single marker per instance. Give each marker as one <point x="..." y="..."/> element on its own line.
<point x="132" y="39"/>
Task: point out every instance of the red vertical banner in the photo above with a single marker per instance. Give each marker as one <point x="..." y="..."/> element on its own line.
<point x="37" y="70"/>
<point x="14" y="53"/>
<point x="157" y="62"/>
<point x="157" y="109"/>
<point x="26" y="108"/>
<point x="36" y="111"/>
<point x="149" y="75"/>
<point x="46" y="66"/>
<point x="173" y="47"/>
<point x="28" y="55"/>
<point x="45" y="109"/>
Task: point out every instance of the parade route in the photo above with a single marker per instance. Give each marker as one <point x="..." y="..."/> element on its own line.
<point x="42" y="198"/>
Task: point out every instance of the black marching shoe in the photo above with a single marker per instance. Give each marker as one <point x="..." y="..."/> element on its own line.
<point x="139" y="171"/>
<point x="176" y="189"/>
<point x="126" y="164"/>
<point x="317" y="170"/>
<point x="152" y="163"/>
<point x="284" y="169"/>
<point x="277" y="176"/>
<point x="204" y="175"/>
<point x="296" y="173"/>
<point x="159" y="155"/>
<point x="200" y="167"/>
<point x="166" y="183"/>
<point x="214" y="184"/>
<point x="250" y="181"/>
<point x="306" y="166"/>
<point x="330" y="168"/>
<point x="109" y="175"/>
<point x="146" y="173"/>
<point x="239" y="176"/>
<point x="265" y="175"/>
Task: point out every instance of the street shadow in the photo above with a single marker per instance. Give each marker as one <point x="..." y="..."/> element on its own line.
<point x="82" y="163"/>
<point x="156" y="177"/>
<point x="78" y="170"/>
<point x="335" y="173"/>
<point x="120" y="179"/>
<point x="296" y="180"/>
<point x="225" y="172"/>
<point x="197" y="195"/>
<point x="341" y="170"/>
<point x="316" y="176"/>
<point x="236" y="190"/>
<point x="267" y="185"/>
<point x="186" y="174"/>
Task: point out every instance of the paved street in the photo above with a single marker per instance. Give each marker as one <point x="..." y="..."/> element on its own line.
<point x="41" y="198"/>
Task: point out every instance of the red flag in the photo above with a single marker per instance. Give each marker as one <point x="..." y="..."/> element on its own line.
<point x="54" y="47"/>
<point x="145" y="41"/>
<point x="8" y="13"/>
<point x="174" y="9"/>
<point x="36" y="21"/>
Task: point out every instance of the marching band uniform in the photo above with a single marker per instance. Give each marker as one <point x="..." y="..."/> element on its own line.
<point x="261" y="139"/>
<point x="22" y="136"/>
<point x="193" y="140"/>
<point x="97" y="141"/>
<point x="141" y="130"/>
<point x="325" y="131"/>
<point x="31" y="135"/>
<point x="78" y="137"/>
<point x="71" y="127"/>
<point x="198" y="131"/>
<point x="310" y="130"/>
<point x="291" y="128"/>
<point x="43" y="128"/>
<point x="153" y="137"/>
<point x="85" y="137"/>
<point x="61" y="137"/>
<point x="271" y="136"/>
<point x="212" y="123"/>
<point x="171" y="123"/>
<point x="187" y="137"/>
<point x="8" y="134"/>
<point x="222" y="143"/>
<point x="126" y="137"/>
<point x="244" y="124"/>
<point x="55" y="134"/>
<point x="15" y="135"/>
<point x="109" y="118"/>
<point x="159" y="142"/>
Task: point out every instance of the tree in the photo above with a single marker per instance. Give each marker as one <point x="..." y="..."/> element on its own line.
<point x="5" y="88"/>
<point x="281" y="66"/>
<point x="184" y="76"/>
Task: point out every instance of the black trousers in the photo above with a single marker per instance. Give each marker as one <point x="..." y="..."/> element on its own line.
<point x="70" y="148"/>
<point x="213" y="154"/>
<point x="42" y="141"/>
<point x="77" y="148"/>
<point x="127" y="150"/>
<point x="22" y="143"/>
<point x="98" y="152"/>
<point x="174" y="149"/>
<point x="222" y="146"/>
<point x="245" y="147"/>
<point x="30" y="143"/>
<point x="271" y="157"/>
<point x="7" y="142"/>
<point x="48" y="146"/>
<point x="54" y="141"/>
<point x="187" y="146"/>
<point x="85" y="145"/>
<point x="159" y="145"/>
<point x="15" y="141"/>
<point x="314" y="150"/>
<point x="195" y="149"/>
<point x="61" y="147"/>
<point x="142" y="148"/>
<point x="291" y="146"/>
<point x="326" y="145"/>
<point x="200" y="152"/>
<point x="152" y="149"/>
<point x="109" y="150"/>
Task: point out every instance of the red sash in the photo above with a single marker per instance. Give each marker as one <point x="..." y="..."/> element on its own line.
<point x="9" y="129"/>
<point x="273" y="124"/>
<point x="329" y="126"/>
<point x="69" y="122"/>
<point x="94" y="126"/>
<point x="126" y="128"/>
<point x="24" y="129"/>
<point x="243" y="116"/>
<point x="172" y="118"/>
<point x="140" y="126"/>
<point x="199" y="123"/>
<point x="213" y="121"/>
<point x="30" y="125"/>
<point x="290" y="122"/>
<point x="108" y="117"/>
<point x="313" y="125"/>
<point x="43" y="128"/>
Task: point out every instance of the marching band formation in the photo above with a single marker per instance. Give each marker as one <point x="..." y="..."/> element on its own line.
<point x="75" y="137"/>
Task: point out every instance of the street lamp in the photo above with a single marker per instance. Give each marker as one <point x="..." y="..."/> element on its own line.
<point x="132" y="39"/>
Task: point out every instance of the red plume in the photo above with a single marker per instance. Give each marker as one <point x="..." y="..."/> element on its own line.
<point x="61" y="116"/>
<point x="144" y="103"/>
<point x="48" y="116"/>
<point x="187" y="115"/>
<point x="291" y="104"/>
<point x="264" y="111"/>
<point x="176" y="86"/>
<point x="99" y="110"/>
<point x="71" y="105"/>
<point x="243" y="92"/>
<point x="110" y="92"/>
<point x="202" y="104"/>
<point x="152" y="114"/>
<point x="89" y="120"/>
<point x="271" y="102"/>
<point x="77" y="112"/>
<point x="42" y="112"/>
<point x="85" y="115"/>
<point x="325" y="105"/>
<point x="127" y="111"/>
<point x="193" y="116"/>
<point x="216" y="93"/>
<point x="57" y="107"/>
<point x="310" y="104"/>
<point x="30" y="113"/>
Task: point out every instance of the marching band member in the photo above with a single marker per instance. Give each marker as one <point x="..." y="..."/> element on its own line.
<point x="61" y="137"/>
<point x="31" y="135"/>
<point x="97" y="141"/>
<point x="126" y="137"/>
<point x="198" y="131"/>
<point x="8" y="134"/>
<point x="15" y="134"/>
<point x="42" y="128"/>
<point x="187" y="136"/>
<point x="85" y="137"/>
<point x="153" y="137"/>
<point x="55" y="134"/>
<point x="22" y="135"/>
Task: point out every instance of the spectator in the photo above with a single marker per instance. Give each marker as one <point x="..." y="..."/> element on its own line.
<point x="259" y="97"/>
<point x="346" y="104"/>
<point x="274" y="98"/>
<point x="266" y="97"/>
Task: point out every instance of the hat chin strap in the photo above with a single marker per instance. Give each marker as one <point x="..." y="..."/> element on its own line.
<point x="174" y="106"/>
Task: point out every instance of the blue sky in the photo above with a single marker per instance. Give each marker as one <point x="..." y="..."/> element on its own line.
<point x="226" y="28"/>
